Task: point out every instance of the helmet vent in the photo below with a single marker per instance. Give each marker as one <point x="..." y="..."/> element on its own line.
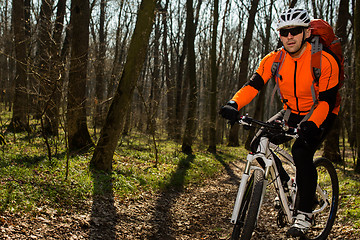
<point x="293" y="17"/>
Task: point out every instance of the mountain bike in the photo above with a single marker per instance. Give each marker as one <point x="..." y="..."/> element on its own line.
<point x="255" y="179"/>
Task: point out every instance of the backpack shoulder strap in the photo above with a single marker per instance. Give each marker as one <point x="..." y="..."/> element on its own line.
<point x="279" y="58"/>
<point x="275" y="69"/>
<point x="316" y="54"/>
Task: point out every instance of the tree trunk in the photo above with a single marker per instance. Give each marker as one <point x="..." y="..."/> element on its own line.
<point x="213" y="83"/>
<point x="155" y="82"/>
<point x="44" y="80"/>
<point x="181" y="90"/>
<point x="110" y="133"/>
<point x="100" y="69"/>
<point x="244" y="64"/>
<point x="116" y="68"/>
<point x="19" y="120"/>
<point x="260" y="103"/>
<point x="4" y="58"/>
<point x="57" y="64"/>
<point x="357" y="77"/>
<point x="190" y="127"/>
<point x="170" y="96"/>
<point x="313" y="3"/>
<point x="78" y="135"/>
<point x="180" y="87"/>
<point x="331" y="146"/>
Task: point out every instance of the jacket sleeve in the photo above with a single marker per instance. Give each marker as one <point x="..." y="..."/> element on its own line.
<point x="248" y="92"/>
<point x="328" y="88"/>
<point x="244" y="96"/>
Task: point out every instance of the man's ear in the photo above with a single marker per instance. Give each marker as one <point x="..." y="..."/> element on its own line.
<point x="307" y="32"/>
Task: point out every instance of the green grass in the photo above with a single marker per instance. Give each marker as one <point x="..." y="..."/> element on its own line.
<point x="29" y="181"/>
<point x="349" y="197"/>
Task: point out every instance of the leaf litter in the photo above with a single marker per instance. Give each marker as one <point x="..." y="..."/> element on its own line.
<point x="198" y="211"/>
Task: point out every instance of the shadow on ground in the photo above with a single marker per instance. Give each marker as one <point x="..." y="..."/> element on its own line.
<point x="162" y="219"/>
<point x="104" y="217"/>
<point x="235" y="178"/>
<point x="163" y="222"/>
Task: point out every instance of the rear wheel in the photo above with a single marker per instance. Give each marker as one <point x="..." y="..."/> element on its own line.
<point x="328" y="185"/>
<point x="249" y="208"/>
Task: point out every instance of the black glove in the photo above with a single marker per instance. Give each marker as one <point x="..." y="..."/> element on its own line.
<point x="309" y="133"/>
<point x="230" y="112"/>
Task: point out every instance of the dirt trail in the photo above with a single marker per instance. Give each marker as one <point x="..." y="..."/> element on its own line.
<point x="196" y="212"/>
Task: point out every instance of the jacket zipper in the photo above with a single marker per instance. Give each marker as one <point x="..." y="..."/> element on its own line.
<point x="296" y="98"/>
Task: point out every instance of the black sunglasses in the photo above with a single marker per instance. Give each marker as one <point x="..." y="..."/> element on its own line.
<point x="293" y="31"/>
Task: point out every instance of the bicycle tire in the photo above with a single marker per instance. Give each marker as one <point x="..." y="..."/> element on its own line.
<point x="250" y="206"/>
<point x="328" y="181"/>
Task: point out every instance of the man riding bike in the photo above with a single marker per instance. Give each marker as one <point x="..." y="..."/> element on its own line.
<point x="295" y="80"/>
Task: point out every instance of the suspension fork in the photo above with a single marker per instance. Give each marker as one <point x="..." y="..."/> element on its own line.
<point x="241" y="191"/>
<point x="244" y="179"/>
<point x="263" y="151"/>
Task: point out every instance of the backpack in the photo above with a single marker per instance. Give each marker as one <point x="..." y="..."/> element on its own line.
<point x="322" y="38"/>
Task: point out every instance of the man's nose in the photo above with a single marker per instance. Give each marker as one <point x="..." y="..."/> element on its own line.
<point x="289" y="35"/>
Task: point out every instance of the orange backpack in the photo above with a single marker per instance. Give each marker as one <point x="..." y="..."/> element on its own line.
<point x="322" y="38"/>
<point x="322" y="30"/>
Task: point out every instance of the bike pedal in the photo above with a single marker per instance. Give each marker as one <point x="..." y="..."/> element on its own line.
<point x="277" y="204"/>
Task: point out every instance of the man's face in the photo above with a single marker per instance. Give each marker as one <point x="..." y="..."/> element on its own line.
<point x="292" y="37"/>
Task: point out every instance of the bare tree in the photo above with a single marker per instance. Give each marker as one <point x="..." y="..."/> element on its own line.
<point x="260" y="102"/>
<point x="331" y="147"/>
<point x="99" y="69"/>
<point x="155" y="81"/>
<point x="57" y="69"/>
<point x="110" y="133"/>
<point x="244" y="63"/>
<point x="19" y="120"/>
<point x="5" y="60"/>
<point x="43" y="69"/>
<point x="78" y="135"/>
<point x="182" y="83"/>
<point x="213" y="84"/>
<point x="357" y="76"/>
<point x="119" y="55"/>
<point x="170" y="84"/>
<point x="190" y="127"/>
<point x="180" y="87"/>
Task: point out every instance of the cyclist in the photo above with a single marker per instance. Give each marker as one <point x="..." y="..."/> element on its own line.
<point x="294" y="84"/>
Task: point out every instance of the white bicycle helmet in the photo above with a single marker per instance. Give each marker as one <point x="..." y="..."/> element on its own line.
<point x="293" y="17"/>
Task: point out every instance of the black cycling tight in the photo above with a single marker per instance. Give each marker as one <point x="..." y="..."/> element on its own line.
<point x="306" y="175"/>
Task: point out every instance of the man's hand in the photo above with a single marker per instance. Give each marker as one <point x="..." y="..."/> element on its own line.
<point x="230" y="112"/>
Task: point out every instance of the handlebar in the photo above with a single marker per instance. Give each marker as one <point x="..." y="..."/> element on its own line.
<point x="280" y="127"/>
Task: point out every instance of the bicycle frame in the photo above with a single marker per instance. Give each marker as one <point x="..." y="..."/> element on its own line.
<point x="272" y="156"/>
<point x="270" y="170"/>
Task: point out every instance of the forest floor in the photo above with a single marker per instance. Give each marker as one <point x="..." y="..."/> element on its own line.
<point x="197" y="211"/>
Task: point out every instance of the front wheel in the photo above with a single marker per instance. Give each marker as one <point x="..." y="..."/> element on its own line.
<point x="249" y="208"/>
<point x="326" y="200"/>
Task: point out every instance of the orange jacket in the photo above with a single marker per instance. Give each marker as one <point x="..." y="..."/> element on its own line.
<point x="295" y="84"/>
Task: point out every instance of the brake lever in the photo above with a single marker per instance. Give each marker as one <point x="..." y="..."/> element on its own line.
<point x="246" y="122"/>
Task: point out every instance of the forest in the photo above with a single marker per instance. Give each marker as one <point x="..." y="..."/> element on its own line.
<point x="110" y="107"/>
